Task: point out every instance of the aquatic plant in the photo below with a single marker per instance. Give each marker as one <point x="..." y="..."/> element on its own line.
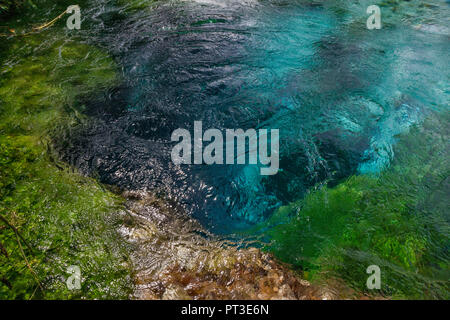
<point x="58" y="219"/>
<point x="52" y="217"/>
<point x="134" y="5"/>
<point x="8" y="5"/>
<point x="371" y="87"/>
<point x="397" y="220"/>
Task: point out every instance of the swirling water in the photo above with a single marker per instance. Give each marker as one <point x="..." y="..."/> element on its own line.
<point x="338" y="92"/>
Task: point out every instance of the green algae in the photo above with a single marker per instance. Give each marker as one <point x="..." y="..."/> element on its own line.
<point x="398" y="220"/>
<point x="363" y="214"/>
<point x="37" y="91"/>
<point x="67" y="219"/>
<point x="136" y="5"/>
<point x="62" y="217"/>
<point x="8" y="6"/>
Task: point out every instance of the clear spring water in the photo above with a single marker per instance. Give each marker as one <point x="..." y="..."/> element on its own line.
<point x="339" y="94"/>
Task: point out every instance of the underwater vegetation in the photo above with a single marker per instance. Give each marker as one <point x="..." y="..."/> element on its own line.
<point x="51" y="216"/>
<point x="398" y="220"/>
<point x="9" y="7"/>
<point x="365" y="126"/>
<point x="175" y="261"/>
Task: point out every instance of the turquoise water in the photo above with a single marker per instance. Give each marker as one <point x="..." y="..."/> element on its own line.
<point x="363" y="119"/>
<point x="338" y="92"/>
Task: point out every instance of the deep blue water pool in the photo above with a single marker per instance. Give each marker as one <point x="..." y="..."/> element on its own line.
<point x="338" y="92"/>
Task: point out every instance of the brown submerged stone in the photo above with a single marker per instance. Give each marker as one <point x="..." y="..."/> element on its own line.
<point x="174" y="262"/>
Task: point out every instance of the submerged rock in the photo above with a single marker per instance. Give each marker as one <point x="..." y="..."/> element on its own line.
<point x="176" y="259"/>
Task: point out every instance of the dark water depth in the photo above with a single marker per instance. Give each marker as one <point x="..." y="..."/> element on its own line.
<point x="338" y="93"/>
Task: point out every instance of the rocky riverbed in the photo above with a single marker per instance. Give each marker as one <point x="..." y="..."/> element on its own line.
<point x="174" y="258"/>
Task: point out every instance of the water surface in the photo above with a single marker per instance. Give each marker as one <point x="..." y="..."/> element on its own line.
<point x="338" y="93"/>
